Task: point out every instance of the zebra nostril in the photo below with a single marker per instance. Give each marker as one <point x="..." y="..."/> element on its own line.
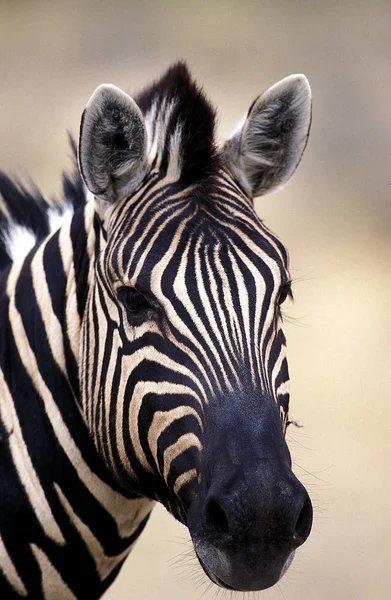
<point x="303" y="523"/>
<point x="216" y="516"/>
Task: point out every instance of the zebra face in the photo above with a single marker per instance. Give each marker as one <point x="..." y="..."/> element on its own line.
<point x="184" y="375"/>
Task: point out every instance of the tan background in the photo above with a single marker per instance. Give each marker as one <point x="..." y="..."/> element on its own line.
<point x="335" y="217"/>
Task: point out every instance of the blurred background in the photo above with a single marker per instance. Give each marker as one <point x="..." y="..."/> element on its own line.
<point x="335" y="218"/>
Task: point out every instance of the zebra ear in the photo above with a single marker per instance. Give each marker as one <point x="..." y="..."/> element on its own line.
<point x="112" y="144"/>
<point x="266" y="148"/>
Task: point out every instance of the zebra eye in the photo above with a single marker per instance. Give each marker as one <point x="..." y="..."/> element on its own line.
<point x="285" y="291"/>
<point x="132" y="300"/>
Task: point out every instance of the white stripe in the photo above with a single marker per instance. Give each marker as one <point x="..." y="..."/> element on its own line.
<point x="7" y="567"/>
<point x="53" y="585"/>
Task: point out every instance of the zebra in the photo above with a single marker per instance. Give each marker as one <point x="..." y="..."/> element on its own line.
<point x="142" y="352"/>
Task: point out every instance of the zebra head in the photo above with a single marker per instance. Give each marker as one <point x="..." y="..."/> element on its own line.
<point x="184" y="375"/>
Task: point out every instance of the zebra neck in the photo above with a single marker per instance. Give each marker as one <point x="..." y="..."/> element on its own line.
<point x="52" y="479"/>
<point x="47" y="294"/>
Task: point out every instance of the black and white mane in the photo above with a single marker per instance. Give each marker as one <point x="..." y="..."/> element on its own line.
<point x="27" y="217"/>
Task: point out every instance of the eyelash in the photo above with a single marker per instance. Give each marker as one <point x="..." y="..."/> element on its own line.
<point x="284" y="293"/>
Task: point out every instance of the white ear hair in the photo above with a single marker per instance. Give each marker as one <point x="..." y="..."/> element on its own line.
<point x="266" y="148"/>
<point x="112" y="144"/>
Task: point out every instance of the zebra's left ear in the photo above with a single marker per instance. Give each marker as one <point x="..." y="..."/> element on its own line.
<point x="112" y="144"/>
<point x="266" y="148"/>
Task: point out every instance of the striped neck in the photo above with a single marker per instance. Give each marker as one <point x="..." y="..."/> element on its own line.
<point x="58" y="470"/>
<point x="47" y="293"/>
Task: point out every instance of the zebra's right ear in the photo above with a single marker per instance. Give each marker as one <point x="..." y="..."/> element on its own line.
<point x="112" y="144"/>
<point x="266" y="148"/>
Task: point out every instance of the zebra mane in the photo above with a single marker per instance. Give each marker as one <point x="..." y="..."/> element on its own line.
<point x="181" y="122"/>
<point x="180" y="119"/>
<point x="27" y="217"/>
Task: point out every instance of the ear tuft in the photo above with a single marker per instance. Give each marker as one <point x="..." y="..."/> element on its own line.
<point x="264" y="152"/>
<point x="112" y="145"/>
